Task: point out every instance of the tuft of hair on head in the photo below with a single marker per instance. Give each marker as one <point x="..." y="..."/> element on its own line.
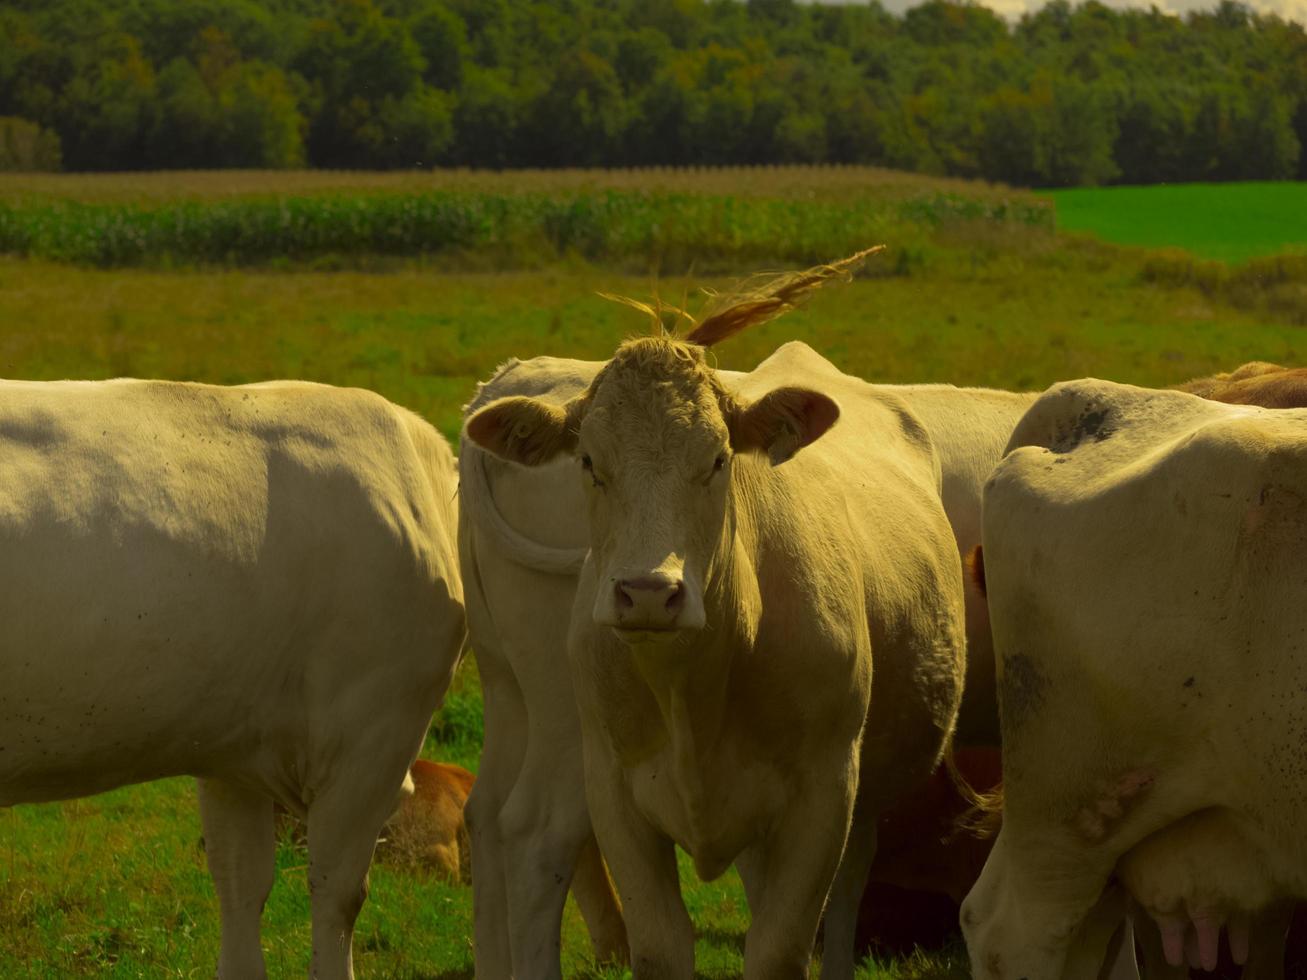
<point x="664" y="318"/>
<point x="766" y="296"/>
<point x="754" y="300"/>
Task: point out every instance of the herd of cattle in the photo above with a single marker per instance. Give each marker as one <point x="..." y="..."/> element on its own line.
<point x="743" y="613"/>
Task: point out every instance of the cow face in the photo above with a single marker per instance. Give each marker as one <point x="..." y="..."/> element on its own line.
<point x="1017" y="928"/>
<point x="655" y="436"/>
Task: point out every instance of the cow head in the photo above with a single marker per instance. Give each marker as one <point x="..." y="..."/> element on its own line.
<point x="655" y="436"/>
<point x="1021" y="925"/>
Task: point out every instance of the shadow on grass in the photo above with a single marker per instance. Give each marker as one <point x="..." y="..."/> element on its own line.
<point x="728" y="938"/>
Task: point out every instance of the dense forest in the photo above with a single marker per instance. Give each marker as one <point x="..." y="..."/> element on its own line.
<point x="1068" y="95"/>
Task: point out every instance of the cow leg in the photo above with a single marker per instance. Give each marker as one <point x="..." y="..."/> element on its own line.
<point x="837" y="952"/>
<point x="643" y="863"/>
<point x="796" y="865"/>
<point x="543" y="825"/>
<point x="501" y="759"/>
<point x="344" y="823"/>
<point x="1095" y="949"/>
<point x="1268" y="934"/>
<point x="595" y="897"/>
<point x="749" y="865"/>
<point x="1120" y="962"/>
<point x="240" y="846"/>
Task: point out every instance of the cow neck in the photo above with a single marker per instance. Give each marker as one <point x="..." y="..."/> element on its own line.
<point x="690" y="682"/>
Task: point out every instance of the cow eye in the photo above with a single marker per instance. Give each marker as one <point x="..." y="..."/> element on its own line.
<point x="588" y="465"/>
<point x="718" y="465"/>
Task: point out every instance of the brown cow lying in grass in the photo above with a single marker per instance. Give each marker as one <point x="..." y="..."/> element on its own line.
<point x="427" y="830"/>
<point x="1255" y="383"/>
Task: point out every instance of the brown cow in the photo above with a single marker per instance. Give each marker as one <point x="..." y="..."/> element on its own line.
<point x="1255" y="383"/>
<point x="428" y="829"/>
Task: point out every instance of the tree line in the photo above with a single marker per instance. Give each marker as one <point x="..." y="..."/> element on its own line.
<point x="1067" y="95"/>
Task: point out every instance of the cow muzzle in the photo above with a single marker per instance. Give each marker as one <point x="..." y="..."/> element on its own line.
<point x="648" y="607"/>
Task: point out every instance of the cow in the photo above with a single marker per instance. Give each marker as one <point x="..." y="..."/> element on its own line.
<point x="1153" y="870"/>
<point x="1140" y="553"/>
<point x="1255" y="383"/>
<point x="1270" y="386"/>
<point x="523" y="540"/>
<point x="746" y="558"/>
<point x="257" y="586"/>
<point x="428" y="829"/>
<point x="521" y="547"/>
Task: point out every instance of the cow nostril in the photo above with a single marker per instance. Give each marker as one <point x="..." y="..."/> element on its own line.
<point x="677" y="599"/>
<point x="655" y="596"/>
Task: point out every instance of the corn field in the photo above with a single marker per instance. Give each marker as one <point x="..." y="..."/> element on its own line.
<point x="660" y="219"/>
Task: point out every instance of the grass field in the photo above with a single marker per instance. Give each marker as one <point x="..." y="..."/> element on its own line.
<point x="1229" y="222"/>
<point x="115" y="885"/>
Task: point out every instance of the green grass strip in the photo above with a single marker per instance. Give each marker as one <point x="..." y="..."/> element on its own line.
<point x="1229" y="222"/>
<point x="602" y="225"/>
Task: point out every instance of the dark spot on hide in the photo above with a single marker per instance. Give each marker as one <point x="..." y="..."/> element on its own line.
<point x="1092" y="424"/>
<point x="1189" y="682"/>
<point x="1021" y="691"/>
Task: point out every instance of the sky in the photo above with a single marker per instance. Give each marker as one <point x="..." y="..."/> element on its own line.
<point x="1295" y="10"/>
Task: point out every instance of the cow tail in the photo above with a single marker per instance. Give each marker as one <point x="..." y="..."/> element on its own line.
<point x="984" y="813"/>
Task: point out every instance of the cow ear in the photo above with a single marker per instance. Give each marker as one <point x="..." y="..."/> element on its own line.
<point x="524" y="430"/>
<point x="782" y="422"/>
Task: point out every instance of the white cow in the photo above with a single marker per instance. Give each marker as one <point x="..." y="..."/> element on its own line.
<point x="1143" y="555"/>
<point x="522" y="543"/>
<point x="255" y="585"/>
<point x="726" y="623"/>
<point x="524" y="538"/>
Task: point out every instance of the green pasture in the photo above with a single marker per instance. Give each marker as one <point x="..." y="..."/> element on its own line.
<point x="116" y="885"/>
<point x="1020" y="316"/>
<point x="1229" y="222"/>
